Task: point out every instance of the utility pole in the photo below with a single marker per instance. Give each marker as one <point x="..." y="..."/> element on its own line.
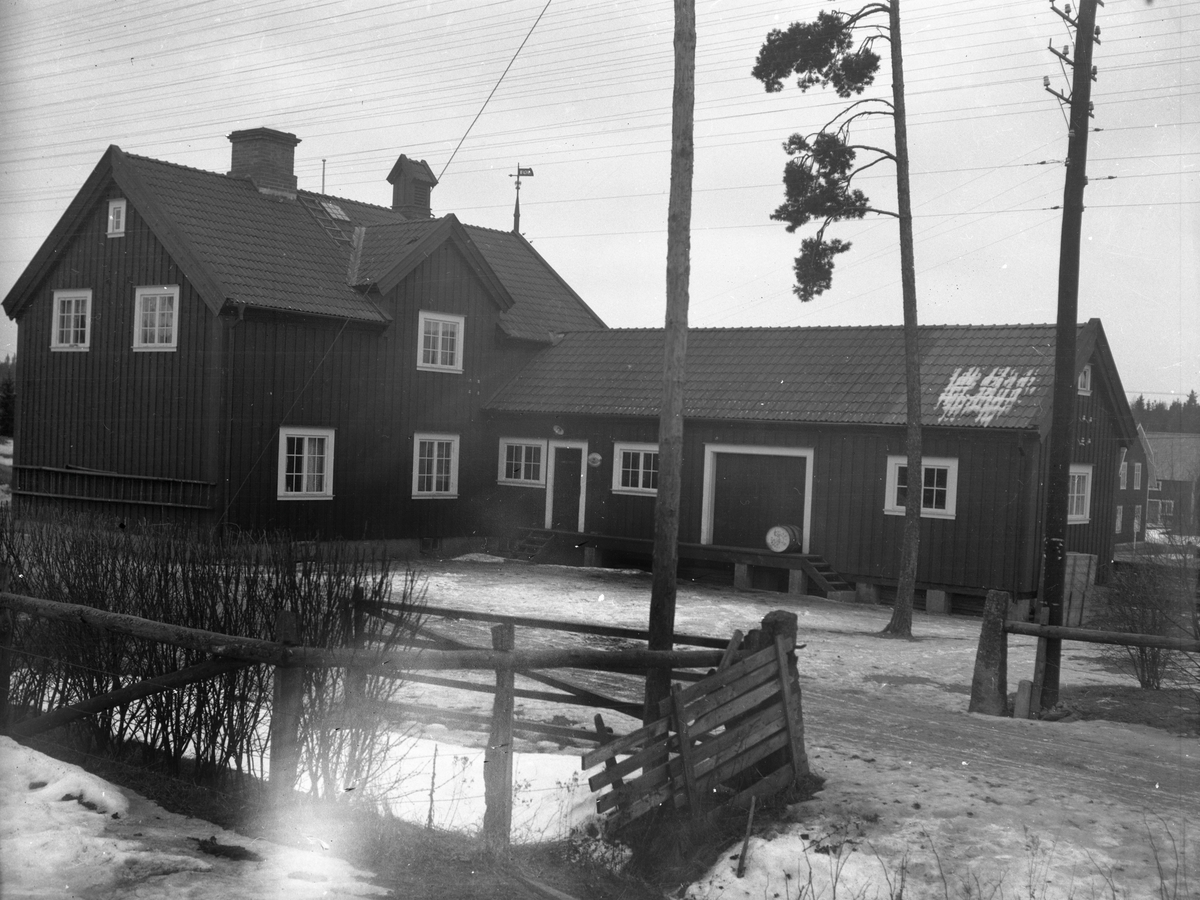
<point x="1063" y="417"/>
<point x="521" y="173"/>
<point x="670" y="417"/>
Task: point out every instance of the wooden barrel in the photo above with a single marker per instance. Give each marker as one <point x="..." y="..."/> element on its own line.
<point x="785" y="538"/>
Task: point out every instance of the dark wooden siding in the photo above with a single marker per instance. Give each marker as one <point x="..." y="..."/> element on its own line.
<point x="126" y="413"/>
<point x="364" y="383"/>
<point x="985" y="546"/>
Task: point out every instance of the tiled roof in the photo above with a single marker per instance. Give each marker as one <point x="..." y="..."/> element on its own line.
<point x="272" y="253"/>
<point x="267" y="253"/>
<point x="545" y="303"/>
<point x="993" y="376"/>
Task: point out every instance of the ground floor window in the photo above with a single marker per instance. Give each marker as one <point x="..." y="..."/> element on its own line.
<point x="1120" y="512"/>
<point x="635" y="469"/>
<point x="522" y="462"/>
<point x="939" y="486"/>
<point x="1079" y="495"/>
<point x="305" y="464"/>
<point x="435" y="465"/>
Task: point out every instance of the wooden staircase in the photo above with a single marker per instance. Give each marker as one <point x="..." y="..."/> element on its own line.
<point x="529" y="543"/>
<point x="823" y="575"/>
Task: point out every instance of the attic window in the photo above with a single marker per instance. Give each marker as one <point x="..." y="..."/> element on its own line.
<point x="1085" y="381"/>
<point x="116" y="218"/>
<point x="335" y="211"/>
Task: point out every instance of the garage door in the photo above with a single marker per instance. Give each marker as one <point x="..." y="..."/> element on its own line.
<point x="752" y="492"/>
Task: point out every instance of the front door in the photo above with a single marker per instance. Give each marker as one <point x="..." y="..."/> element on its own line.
<point x="753" y="492"/>
<point x="565" y="492"/>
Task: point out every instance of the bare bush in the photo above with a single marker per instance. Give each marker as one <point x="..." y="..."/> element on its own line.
<point x="1155" y="595"/>
<point x="236" y="584"/>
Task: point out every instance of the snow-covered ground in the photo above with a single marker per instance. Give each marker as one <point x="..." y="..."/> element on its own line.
<point x="978" y="825"/>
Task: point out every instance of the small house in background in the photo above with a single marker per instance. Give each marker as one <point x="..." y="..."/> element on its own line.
<point x="1174" y="503"/>
<point x="232" y="351"/>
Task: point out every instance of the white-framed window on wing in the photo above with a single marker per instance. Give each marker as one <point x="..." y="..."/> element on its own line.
<point x="156" y="318"/>
<point x="440" y="347"/>
<point x="72" y="325"/>
<point x="1123" y="475"/>
<point x="939" y="486"/>
<point x="305" y="464"/>
<point x="116" y="218"/>
<point x="635" y="469"/>
<point x="522" y="462"/>
<point x="1079" y="494"/>
<point x="1120" y="518"/>
<point x="435" y="466"/>
<point x="1137" y="476"/>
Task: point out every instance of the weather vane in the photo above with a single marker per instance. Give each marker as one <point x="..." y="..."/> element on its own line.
<point x="521" y="173"/>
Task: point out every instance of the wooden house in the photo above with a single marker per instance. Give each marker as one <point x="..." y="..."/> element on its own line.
<point x="804" y="427"/>
<point x="231" y="350"/>
<point x="1175" y="498"/>
<point x="1135" y="476"/>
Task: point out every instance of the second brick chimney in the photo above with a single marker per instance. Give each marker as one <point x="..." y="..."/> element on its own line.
<point x="267" y="157"/>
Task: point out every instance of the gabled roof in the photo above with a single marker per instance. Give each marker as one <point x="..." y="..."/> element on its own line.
<point x="237" y="245"/>
<point x="977" y="376"/>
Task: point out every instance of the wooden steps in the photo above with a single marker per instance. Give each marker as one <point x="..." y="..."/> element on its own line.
<point x="530" y="543"/>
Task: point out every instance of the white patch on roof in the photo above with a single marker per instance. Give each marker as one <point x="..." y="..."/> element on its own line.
<point x="971" y="392"/>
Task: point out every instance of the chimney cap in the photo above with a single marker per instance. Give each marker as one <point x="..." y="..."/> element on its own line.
<point x="414" y="169"/>
<point x="263" y="133"/>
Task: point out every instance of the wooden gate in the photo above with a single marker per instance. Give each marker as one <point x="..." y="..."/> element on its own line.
<point x="710" y="733"/>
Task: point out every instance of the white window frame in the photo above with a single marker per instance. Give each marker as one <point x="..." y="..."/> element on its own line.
<point x="139" y="296"/>
<point x="949" y="463"/>
<point x="425" y="317"/>
<point x="84" y="294"/>
<point x="1137" y="519"/>
<point x="619" y="451"/>
<point x="525" y="444"/>
<point x="1120" y="517"/>
<point x="1123" y="475"/>
<point x="451" y="491"/>
<point x="1084" y="383"/>
<point x="1137" y="476"/>
<point x="281" y="487"/>
<point x="1075" y="514"/>
<point x="117" y="211"/>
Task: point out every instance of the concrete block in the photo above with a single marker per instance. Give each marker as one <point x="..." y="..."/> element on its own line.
<point x="867" y="593"/>
<point x="741" y="576"/>
<point x="937" y="603"/>
<point x="797" y="581"/>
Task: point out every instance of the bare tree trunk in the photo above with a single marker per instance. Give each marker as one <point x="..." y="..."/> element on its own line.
<point x="670" y="425"/>
<point x="901" y="622"/>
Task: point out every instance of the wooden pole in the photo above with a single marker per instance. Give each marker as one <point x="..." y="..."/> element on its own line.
<point x="7" y="629"/>
<point x="989" y="686"/>
<point x="1054" y="561"/>
<point x="287" y="703"/>
<point x="670" y="417"/>
<point x="355" y="680"/>
<point x="498" y="758"/>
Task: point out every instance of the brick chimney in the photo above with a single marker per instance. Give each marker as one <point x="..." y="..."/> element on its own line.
<point x="267" y="158"/>
<point x="412" y="181"/>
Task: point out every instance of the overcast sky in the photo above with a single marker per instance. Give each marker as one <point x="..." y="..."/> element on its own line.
<point x="587" y="105"/>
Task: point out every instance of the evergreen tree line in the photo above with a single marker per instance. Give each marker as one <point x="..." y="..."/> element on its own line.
<point x="1180" y="417"/>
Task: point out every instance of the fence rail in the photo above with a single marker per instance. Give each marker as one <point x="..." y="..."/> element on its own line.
<point x="288" y="658"/>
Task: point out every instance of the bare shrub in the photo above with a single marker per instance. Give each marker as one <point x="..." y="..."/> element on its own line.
<point x="234" y="584"/>
<point x="1154" y="595"/>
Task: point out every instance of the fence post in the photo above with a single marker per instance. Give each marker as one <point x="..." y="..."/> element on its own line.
<point x="7" y="629"/>
<point x="498" y="759"/>
<point x="288" y="697"/>
<point x="989" y="686"/>
<point x="1039" y="665"/>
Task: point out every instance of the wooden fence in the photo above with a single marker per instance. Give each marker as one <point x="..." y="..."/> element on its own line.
<point x="289" y="658"/>
<point x="708" y="734"/>
<point x="989" y="686"/>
